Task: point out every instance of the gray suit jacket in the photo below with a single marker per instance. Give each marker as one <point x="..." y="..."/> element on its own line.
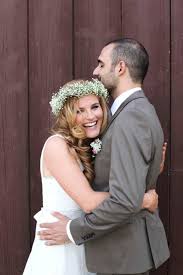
<point x="120" y="237"/>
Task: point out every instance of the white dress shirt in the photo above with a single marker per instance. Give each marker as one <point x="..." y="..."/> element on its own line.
<point x="117" y="102"/>
<point x="121" y="98"/>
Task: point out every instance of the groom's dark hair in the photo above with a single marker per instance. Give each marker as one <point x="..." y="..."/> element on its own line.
<point x="133" y="54"/>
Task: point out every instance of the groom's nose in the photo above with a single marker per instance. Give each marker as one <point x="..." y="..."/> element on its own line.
<point x="95" y="72"/>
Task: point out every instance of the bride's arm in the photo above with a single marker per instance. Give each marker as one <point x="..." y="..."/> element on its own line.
<point x="65" y="169"/>
<point x="150" y="200"/>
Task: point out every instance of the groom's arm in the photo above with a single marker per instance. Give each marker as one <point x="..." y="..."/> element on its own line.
<point x="132" y="151"/>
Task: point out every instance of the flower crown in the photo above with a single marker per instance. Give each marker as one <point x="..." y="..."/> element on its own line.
<point x="76" y="89"/>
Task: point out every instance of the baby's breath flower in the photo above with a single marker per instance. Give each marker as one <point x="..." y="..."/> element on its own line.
<point x="96" y="146"/>
<point x="77" y="89"/>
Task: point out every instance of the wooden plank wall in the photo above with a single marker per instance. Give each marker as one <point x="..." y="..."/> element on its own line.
<point x="176" y="172"/>
<point x="50" y="65"/>
<point x="45" y="45"/>
<point x="14" y="180"/>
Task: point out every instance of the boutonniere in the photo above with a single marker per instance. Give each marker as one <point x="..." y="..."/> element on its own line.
<point x="96" y="146"/>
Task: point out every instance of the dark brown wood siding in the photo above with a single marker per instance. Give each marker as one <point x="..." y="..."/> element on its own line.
<point x="176" y="167"/>
<point x="44" y="44"/>
<point x="14" y="153"/>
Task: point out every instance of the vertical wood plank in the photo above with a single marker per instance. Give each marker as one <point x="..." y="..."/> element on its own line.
<point x="14" y="184"/>
<point x="149" y="23"/>
<point x="176" y="226"/>
<point x="176" y="86"/>
<point x="50" y="65"/>
<point x="95" y="23"/>
<point x="176" y="205"/>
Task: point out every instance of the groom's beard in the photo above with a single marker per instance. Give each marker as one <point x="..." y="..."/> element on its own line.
<point x="111" y="100"/>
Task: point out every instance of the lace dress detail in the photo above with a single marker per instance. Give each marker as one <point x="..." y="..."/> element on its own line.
<point x="67" y="259"/>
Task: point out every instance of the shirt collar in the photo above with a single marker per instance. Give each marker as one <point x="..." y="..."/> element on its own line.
<point x="121" y="98"/>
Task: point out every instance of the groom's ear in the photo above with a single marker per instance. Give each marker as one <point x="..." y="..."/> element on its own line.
<point x="121" y="67"/>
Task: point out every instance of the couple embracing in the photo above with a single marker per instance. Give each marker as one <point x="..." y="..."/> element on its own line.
<point x="105" y="220"/>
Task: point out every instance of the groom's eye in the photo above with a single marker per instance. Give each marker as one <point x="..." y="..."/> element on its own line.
<point x="100" y="64"/>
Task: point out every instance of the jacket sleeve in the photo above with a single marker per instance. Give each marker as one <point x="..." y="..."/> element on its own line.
<point x="131" y="154"/>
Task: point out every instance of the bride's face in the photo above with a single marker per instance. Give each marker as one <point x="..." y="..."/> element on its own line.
<point x="89" y="115"/>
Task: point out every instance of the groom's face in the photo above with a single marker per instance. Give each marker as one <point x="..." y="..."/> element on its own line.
<point x="105" y="71"/>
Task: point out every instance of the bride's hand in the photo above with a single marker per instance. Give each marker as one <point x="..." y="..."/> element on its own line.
<point x="163" y="156"/>
<point x="150" y="201"/>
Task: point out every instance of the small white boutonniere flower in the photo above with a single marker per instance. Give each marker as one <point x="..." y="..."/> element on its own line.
<point x="96" y="146"/>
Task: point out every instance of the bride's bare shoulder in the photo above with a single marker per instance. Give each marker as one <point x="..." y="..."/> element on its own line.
<point x="55" y="144"/>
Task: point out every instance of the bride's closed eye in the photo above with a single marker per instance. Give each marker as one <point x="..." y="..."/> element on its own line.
<point x="80" y="111"/>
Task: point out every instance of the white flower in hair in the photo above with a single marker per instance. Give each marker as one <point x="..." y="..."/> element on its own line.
<point x="77" y="89"/>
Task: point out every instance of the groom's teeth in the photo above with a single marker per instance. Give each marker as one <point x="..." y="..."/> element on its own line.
<point x="90" y="124"/>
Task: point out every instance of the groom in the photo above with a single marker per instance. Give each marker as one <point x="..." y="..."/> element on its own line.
<point x="119" y="238"/>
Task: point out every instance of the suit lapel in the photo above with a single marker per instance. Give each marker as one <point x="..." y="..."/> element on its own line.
<point x="136" y="95"/>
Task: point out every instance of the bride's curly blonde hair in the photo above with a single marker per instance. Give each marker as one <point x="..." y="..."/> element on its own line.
<point x="74" y="134"/>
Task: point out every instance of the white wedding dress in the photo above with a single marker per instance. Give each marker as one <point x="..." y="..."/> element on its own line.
<point x="67" y="259"/>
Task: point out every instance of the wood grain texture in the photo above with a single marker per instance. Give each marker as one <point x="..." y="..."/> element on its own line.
<point x="176" y="86"/>
<point x="14" y="183"/>
<point x="176" y="201"/>
<point x="176" y="227"/>
<point x="95" y="23"/>
<point x="50" y="66"/>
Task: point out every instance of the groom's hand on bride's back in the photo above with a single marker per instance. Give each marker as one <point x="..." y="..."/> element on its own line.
<point x="55" y="233"/>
